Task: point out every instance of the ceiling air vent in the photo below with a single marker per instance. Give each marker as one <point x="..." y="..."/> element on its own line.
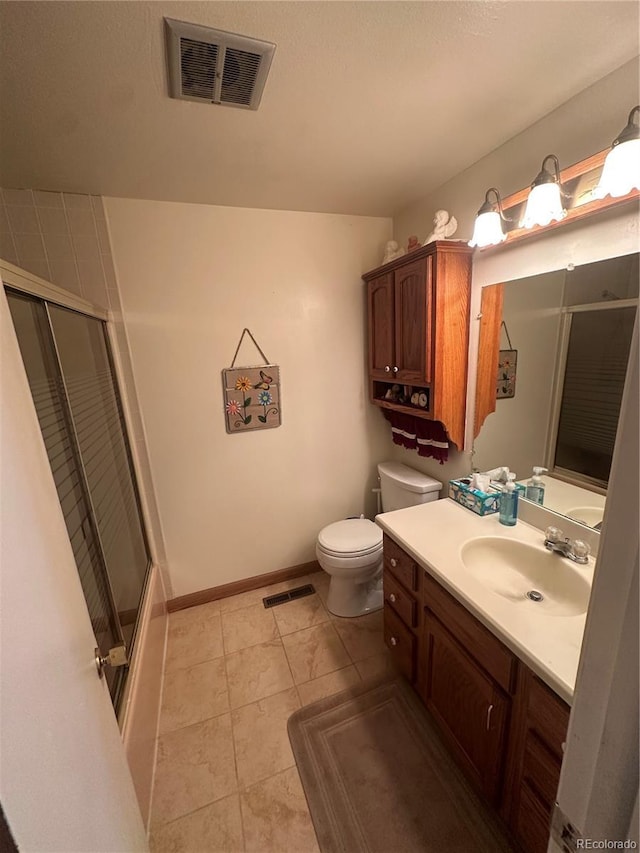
<point x="215" y="66"/>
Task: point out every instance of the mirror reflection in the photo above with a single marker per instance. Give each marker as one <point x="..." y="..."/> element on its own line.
<point x="564" y="348"/>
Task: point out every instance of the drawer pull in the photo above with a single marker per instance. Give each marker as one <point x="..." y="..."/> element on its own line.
<point x="393" y="562"/>
<point x="392" y="598"/>
<point x="393" y="641"/>
<point x="489" y="710"/>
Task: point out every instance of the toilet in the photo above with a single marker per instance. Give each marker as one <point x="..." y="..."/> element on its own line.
<point x="350" y="551"/>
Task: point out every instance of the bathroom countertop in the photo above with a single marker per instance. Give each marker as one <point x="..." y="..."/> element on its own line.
<point x="434" y="533"/>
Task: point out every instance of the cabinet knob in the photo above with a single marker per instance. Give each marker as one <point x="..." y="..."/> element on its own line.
<point x="393" y="562"/>
<point x="392" y="598"/>
<point x="395" y="369"/>
<point x="387" y="369"/>
<point x="393" y="641"/>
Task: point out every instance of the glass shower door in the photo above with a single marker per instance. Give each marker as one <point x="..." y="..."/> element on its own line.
<point x="100" y="431"/>
<point x="68" y="364"/>
<point x="32" y="329"/>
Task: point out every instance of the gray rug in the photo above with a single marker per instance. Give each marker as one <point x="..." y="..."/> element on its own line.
<point x="378" y="779"/>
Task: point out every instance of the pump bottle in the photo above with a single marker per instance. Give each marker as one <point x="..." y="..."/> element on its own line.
<point x="509" y="502"/>
<point x="535" y="486"/>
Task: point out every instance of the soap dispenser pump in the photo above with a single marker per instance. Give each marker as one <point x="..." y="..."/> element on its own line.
<point x="509" y="502"/>
<point x="535" y="486"/>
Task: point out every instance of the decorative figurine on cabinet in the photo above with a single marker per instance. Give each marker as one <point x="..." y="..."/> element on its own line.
<point x="392" y="251"/>
<point x="444" y="227"/>
<point x="413" y="244"/>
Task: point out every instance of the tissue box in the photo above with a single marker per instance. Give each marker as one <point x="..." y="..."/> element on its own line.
<point x="482" y="503"/>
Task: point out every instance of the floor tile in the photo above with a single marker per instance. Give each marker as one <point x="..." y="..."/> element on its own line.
<point x="362" y="636"/>
<point x="248" y="627"/>
<point x="255" y="596"/>
<point x="194" y="614"/>
<point x="260" y="737"/>
<point x="216" y="828"/>
<point x="276" y="818"/>
<point x="193" y="638"/>
<point x="314" y="652"/>
<point x="303" y="613"/>
<point x="195" y="767"/>
<point x="328" y="684"/>
<point x="193" y="695"/>
<point x="321" y="581"/>
<point x="376" y="666"/>
<point x="256" y="672"/>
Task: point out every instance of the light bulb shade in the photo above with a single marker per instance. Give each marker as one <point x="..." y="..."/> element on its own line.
<point x="621" y="170"/>
<point x="488" y="230"/>
<point x="544" y="206"/>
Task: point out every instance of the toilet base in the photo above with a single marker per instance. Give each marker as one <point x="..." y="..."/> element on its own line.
<point x="349" y="599"/>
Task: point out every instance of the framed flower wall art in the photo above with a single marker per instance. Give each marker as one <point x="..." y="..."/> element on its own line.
<point x="251" y="395"/>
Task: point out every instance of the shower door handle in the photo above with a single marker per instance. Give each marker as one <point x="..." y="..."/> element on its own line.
<point x="117" y="657"/>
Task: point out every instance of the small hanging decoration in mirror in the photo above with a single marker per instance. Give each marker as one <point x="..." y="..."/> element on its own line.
<point x="507" y="361"/>
<point x="251" y="394"/>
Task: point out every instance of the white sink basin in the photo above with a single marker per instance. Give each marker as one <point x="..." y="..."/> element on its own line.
<point x="513" y="569"/>
<point x="590" y="515"/>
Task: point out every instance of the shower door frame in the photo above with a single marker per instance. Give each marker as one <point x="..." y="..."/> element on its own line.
<point x="21" y="281"/>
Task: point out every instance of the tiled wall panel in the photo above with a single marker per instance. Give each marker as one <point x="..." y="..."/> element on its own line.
<point x="61" y="237"/>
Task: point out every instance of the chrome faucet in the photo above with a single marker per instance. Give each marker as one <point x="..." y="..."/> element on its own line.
<point x="576" y="549"/>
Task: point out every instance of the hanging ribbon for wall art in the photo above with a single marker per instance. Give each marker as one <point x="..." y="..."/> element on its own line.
<point x="507" y="361"/>
<point x="251" y="394"/>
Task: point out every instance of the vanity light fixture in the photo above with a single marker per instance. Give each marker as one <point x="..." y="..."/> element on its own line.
<point x="488" y="226"/>
<point x="544" y="204"/>
<point x="621" y="171"/>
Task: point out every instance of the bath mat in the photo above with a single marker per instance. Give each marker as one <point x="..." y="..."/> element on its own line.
<point x="378" y="779"/>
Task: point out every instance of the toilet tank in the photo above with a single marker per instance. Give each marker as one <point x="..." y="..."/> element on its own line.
<point x="402" y="486"/>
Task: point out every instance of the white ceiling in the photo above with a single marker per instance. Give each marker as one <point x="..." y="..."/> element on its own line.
<point x="368" y="105"/>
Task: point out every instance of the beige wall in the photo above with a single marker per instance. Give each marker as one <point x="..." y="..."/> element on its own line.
<point x="191" y="278"/>
<point x="582" y="126"/>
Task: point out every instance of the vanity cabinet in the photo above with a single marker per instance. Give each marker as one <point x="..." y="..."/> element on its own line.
<point x="402" y="584"/>
<point x="503" y="725"/>
<point x="418" y="319"/>
<point x="538" y="736"/>
<point x="469" y="676"/>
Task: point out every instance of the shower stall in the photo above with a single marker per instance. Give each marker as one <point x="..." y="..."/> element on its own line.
<point x="69" y="366"/>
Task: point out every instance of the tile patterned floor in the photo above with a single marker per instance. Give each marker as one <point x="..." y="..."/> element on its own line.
<point x="226" y="778"/>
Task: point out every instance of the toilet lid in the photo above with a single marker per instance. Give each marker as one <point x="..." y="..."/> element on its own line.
<point x="351" y="536"/>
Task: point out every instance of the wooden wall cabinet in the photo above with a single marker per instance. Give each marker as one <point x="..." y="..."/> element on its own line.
<point x="418" y="313"/>
<point x="504" y="727"/>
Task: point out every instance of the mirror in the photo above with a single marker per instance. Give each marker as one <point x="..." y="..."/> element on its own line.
<point x="564" y="347"/>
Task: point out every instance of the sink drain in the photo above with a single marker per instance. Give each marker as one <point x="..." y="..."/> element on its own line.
<point x="534" y="595"/>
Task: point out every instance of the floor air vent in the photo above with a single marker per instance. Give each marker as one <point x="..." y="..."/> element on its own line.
<point x="290" y="595"/>
<point x="216" y="67"/>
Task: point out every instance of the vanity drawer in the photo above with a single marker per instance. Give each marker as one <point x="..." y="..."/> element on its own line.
<point x="540" y="770"/>
<point x="401" y="565"/>
<point x="479" y="642"/>
<point x="398" y="598"/>
<point x="401" y="643"/>
<point x="547" y="715"/>
<point x="532" y="822"/>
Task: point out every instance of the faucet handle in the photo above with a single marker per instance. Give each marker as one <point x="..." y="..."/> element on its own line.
<point x="581" y="550"/>
<point x="554" y="534"/>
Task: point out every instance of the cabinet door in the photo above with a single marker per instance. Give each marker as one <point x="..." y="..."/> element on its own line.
<point x="412" y="321"/>
<point x="469" y="708"/>
<point x="381" y="328"/>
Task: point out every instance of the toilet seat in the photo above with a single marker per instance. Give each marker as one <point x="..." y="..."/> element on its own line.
<point x="353" y="537"/>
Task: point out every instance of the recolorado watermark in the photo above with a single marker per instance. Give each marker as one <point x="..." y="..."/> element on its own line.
<point x="594" y="844"/>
